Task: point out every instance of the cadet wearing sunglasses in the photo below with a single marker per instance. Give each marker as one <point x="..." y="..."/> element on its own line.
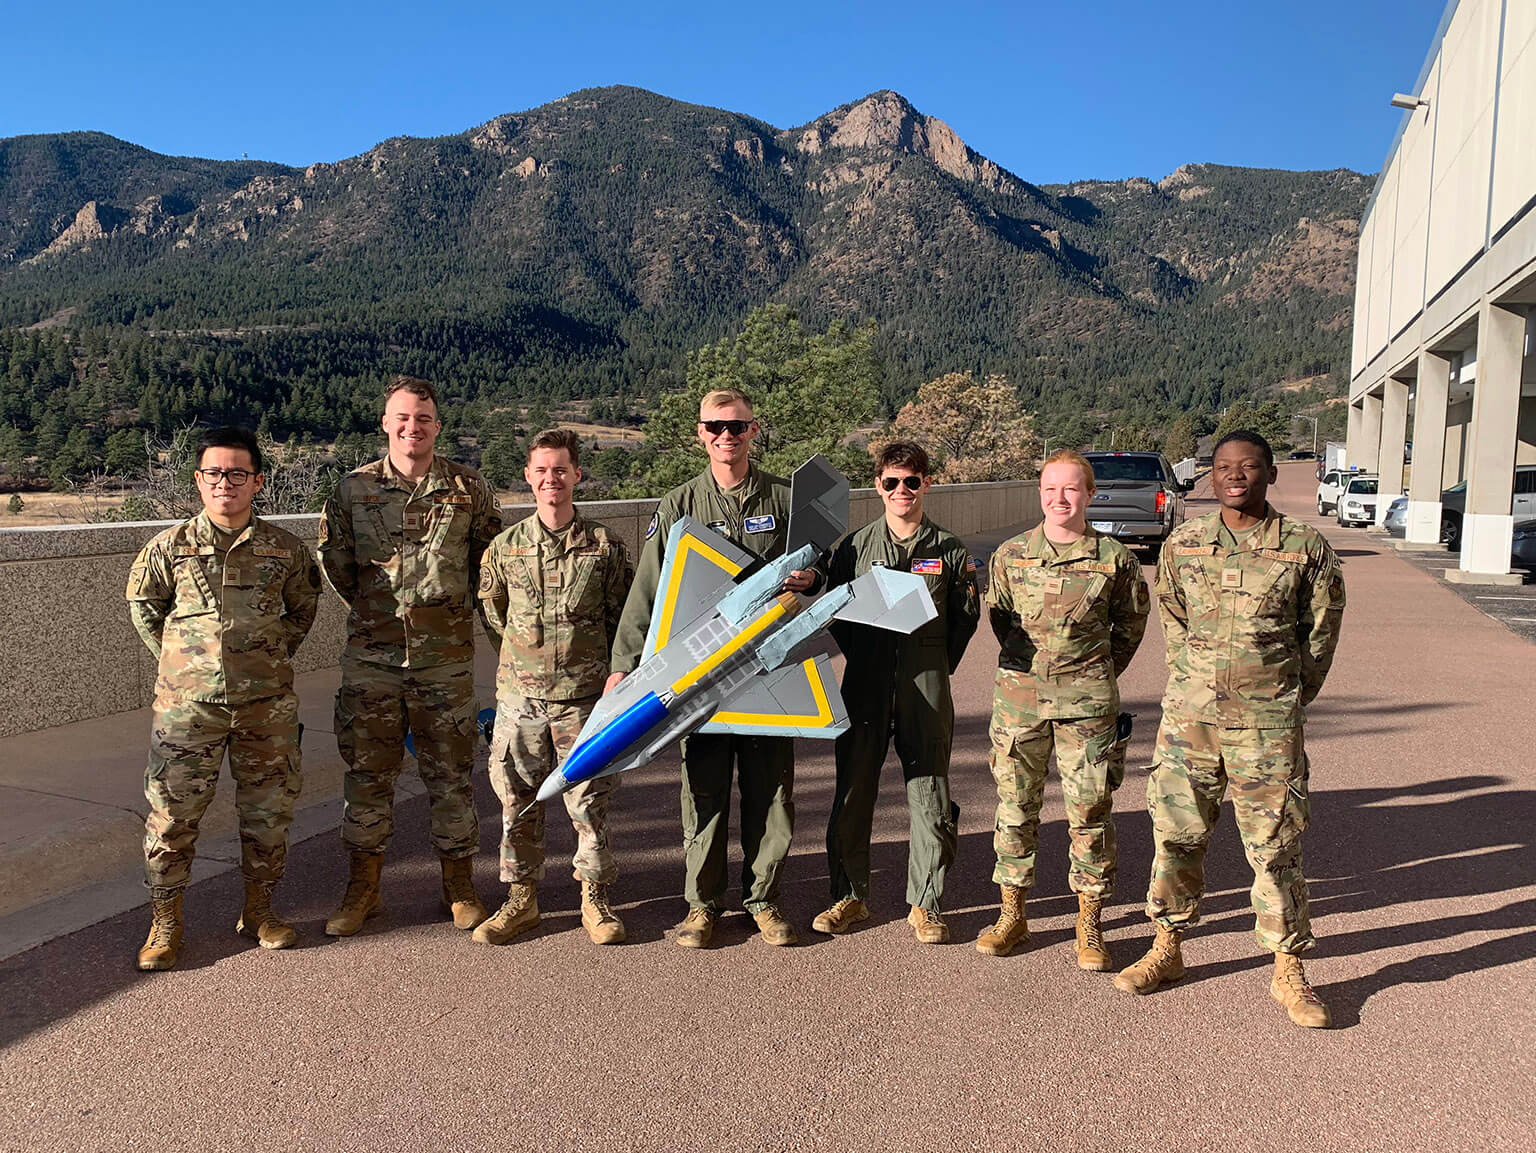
<point x="901" y="684"/>
<point x="738" y="500"/>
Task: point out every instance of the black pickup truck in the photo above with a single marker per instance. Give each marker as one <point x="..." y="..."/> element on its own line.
<point x="1139" y="501"/>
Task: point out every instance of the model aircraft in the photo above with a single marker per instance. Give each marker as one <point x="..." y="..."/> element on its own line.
<point x="731" y="651"/>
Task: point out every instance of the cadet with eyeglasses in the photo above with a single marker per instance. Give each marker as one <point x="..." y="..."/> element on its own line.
<point x="222" y="601"/>
<point x="750" y="507"/>
<point x="401" y="541"/>
<point x="898" y="686"/>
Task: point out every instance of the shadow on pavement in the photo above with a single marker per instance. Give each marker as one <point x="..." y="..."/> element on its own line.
<point x="1460" y="838"/>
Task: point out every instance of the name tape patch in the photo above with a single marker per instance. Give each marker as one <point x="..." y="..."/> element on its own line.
<point x="930" y="567"/>
<point x="764" y="523"/>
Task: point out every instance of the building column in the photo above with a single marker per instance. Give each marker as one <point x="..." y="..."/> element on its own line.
<point x="1487" y="528"/>
<point x="1365" y="453"/>
<point x="1394" y="436"/>
<point x="1427" y="480"/>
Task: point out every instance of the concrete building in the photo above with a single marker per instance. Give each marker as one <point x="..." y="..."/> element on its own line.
<point x="1446" y="285"/>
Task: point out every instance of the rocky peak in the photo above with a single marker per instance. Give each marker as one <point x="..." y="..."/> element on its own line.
<point x="94" y="221"/>
<point x="885" y="121"/>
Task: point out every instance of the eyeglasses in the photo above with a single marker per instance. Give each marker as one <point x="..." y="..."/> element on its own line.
<point x="734" y="427"/>
<point x="889" y="483"/>
<point x="236" y="477"/>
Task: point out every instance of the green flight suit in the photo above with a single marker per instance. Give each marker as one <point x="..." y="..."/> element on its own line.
<point x="755" y="517"/>
<point x="896" y="684"/>
<point x="1252" y="621"/>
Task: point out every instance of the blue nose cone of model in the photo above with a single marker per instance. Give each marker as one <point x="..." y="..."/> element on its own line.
<point x="597" y="752"/>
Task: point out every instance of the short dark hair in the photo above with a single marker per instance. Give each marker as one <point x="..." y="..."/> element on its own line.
<point x="231" y="436"/>
<point x="1248" y="436"/>
<point x="902" y="454"/>
<point x="557" y="438"/>
<point x="416" y="387"/>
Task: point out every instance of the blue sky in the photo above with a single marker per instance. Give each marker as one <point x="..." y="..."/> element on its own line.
<point x="1108" y="89"/>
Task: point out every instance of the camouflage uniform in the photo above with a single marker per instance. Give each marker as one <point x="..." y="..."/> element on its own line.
<point x="900" y="684"/>
<point x="552" y="600"/>
<point x="1068" y="619"/>
<point x="405" y="556"/>
<point x="754" y="516"/>
<point x="1251" y="632"/>
<point x="223" y="614"/>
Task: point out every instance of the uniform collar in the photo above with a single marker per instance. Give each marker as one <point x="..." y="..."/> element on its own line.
<point x="1085" y="547"/>
<point x="747" y="488"/>
<point x="1266" y="534"/>
<point x="204" y="531"/>
<point x="577" y="534"/>
<point x="925" y="529"/>
<point x="436" y="478"/>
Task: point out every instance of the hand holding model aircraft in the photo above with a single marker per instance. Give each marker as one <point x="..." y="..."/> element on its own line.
<point x="730" y="650"/>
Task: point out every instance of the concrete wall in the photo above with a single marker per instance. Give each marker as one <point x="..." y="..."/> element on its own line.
<point x="71" y="653"/>
<point x="1461" y="172"/>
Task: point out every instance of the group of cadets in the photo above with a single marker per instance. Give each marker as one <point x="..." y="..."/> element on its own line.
<point x="1250" y="602"/>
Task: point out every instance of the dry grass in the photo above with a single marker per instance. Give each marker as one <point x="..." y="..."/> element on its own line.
<point x="53" y="508"/>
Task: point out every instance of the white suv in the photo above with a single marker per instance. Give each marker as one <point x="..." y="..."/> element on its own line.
<point x="1357" y="502"/>
<point x="1328" y="490"/>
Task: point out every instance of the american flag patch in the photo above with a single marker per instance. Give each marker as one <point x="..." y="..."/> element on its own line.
<point x="972" y="563"/>
<point x="928" y="567"/>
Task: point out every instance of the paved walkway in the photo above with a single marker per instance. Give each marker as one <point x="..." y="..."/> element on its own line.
<point x="408" y="1036"/>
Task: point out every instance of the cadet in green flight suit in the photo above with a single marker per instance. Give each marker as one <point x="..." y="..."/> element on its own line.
<point x="222" y="601"/>
<point x="1069" y="608"/>
<point x="899" y="685"/>
<point x="751" y="507"/>
<point x="1251" y="603"/>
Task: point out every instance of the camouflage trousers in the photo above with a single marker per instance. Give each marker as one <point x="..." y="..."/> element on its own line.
<point x="1091" y="765"/>
<point x="375" y="708"/>
<point x="186" y="750"/>
<point x="1268" y="772"/>
<point x="933" y="818"/>
<point x="765" y="772"/>
<point x="532" y="737"/>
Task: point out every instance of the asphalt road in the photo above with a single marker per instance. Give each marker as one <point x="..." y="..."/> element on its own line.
<point x="409" y="1036"/>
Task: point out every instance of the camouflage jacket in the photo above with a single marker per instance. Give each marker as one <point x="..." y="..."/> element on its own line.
<point x="1068" y="623"/>
<point x="405" y="556"/>
<point x="878" y="657"/>
<point x="755" y="516"/>
<point x="223" y="626"/>
<point x="1250" y="633"/>
<point x="552" y="601"/>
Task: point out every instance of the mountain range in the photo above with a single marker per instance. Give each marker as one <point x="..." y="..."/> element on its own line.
<point x="581" y="247"/>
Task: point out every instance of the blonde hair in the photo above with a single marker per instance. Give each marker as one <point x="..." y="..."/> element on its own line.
<point x="1072" y="456"/>
<point x="721" y="397"/>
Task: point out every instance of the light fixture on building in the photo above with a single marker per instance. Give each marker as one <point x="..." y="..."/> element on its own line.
<point x="1403" y="100"/>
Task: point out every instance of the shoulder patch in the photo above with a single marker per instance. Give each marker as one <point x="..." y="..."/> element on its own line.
<point x="972" y="563"/>
<point x="650" y="529"/>
<point x="765" y="523"/>
<point x="487" y="580"/>
<point x="314" y="575"/>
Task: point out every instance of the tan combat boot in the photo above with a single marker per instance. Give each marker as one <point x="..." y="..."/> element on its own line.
<point x="774" y="926"/>
<point x="696" y="930"/>
<point x="159" y="951"/>
<point x="362" y="898"/>
<point x="1162" y="964"/>
<point x="928" y="925"/>
<point x="597" y="916"/>
<point x="1289" y="986"/>
<point x="459" y="896"/>
<point x="518" y="913"/>
<point x="841" y="917"/>
<point x="1011" y="929"/>
<point x="259" y="922"/>
<point x="1092" y="952"/>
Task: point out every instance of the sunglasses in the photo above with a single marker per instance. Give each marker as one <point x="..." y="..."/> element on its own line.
<point x="734" y="427"/>
<point x="235" y="476"/>
<point x="889" y="483"/>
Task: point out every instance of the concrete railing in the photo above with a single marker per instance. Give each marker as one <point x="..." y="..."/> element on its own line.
<point x="71" y="653"/>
